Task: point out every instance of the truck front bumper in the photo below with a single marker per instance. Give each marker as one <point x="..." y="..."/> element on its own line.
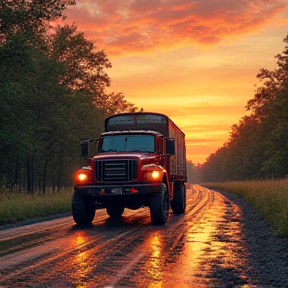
<point x="120" y="190"/>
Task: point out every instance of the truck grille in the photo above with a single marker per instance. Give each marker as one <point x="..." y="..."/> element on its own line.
<point x="116" y="170"/>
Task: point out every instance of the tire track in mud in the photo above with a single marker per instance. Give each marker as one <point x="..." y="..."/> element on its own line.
<point x="18" y="239"/>
<point x="164" y="246"/>
<point x="101" y="253"/>
<point x="60" y="256"/>
<point x="162" y="242"/>
<point x="24" y="237"/>
<point x="62" y="246"/>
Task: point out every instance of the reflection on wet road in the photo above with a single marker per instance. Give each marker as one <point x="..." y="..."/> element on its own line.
<point x="202" y="248"/>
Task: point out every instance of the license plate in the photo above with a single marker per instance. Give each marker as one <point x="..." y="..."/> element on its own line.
<point x="116" y="191"/>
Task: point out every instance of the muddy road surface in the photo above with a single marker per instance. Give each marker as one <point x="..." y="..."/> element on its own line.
<point x="211" y="245"/>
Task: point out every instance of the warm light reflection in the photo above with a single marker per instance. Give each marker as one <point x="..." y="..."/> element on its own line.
<point x="80" y="259"/>
<point x="80" y="262"/>
<point x="212" y="244"/>
<point x="195" y="248"/>
<point x="155" y="265"/>
<point x="80" y="240"/>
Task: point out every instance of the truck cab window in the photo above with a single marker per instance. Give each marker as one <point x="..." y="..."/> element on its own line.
<point x="130" y="143"/>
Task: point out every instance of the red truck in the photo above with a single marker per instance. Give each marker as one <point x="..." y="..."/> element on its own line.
<point x="139" y="161"/>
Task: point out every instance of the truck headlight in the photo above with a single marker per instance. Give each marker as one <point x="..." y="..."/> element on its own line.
<point x="153" y="172"/>
<point x="153" y="176"/>
<point x="82" y="176"/>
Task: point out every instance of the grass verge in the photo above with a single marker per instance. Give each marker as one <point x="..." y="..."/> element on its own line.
<point x="19" y="206"/>
<point x="269" y="198"/>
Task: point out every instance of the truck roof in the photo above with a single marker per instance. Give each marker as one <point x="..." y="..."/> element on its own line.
<point x="132" y="131"/>
<point x="142" y="121"/>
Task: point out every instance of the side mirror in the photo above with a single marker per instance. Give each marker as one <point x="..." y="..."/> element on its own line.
<point x="170" y="146"/>
<point x="88" y="148"/>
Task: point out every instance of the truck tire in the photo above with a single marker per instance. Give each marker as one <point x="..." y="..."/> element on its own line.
<point x="160" y="206"/>
<point x="115" y="210"/>
<point x="178" y="204"/>
<point x="83" y="209"/>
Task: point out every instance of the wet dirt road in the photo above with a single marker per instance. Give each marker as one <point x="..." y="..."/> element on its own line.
<point x="205" y="247"/>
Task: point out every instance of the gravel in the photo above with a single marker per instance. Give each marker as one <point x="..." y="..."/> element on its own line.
<point x="267" y="259"/>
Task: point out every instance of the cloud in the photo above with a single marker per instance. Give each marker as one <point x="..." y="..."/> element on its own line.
<point x="124" y="26"/>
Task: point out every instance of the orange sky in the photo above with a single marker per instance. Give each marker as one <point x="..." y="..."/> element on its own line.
<point x="195" y="61"/>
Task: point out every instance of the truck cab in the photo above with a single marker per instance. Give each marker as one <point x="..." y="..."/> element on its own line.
<point x="131" y="166"/>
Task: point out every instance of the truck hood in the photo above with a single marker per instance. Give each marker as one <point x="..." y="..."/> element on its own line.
<point x="125" y="155"/>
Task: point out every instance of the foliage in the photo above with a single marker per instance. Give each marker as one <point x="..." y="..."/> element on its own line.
<point x="269" y="198"/>
<point x="29" y="16"/>
<point x="53" y="92"/>
<point x="258" y="144"/>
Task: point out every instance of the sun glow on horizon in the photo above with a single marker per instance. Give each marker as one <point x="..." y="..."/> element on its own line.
<point x="195" y="62"/>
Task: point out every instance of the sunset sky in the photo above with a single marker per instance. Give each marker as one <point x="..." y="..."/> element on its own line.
<point x="193" y="60"/>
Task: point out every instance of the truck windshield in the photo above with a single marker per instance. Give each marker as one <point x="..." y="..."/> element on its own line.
<point x="131" y="143"/>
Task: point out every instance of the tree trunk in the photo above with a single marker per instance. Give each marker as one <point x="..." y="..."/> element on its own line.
<point x="28" y="175"/>
<point x="16" y="172"/>
<point x="45" y="173"/>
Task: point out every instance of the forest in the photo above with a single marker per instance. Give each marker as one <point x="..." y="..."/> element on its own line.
<point x="257" y="147"/>
<point x="54" y="91"/>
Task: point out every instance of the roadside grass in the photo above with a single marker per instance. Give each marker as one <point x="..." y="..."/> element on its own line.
<point x="19" y="206"/>
<point x="269" y="199"/>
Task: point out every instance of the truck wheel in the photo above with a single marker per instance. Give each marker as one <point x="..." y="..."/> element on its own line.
<point x="178" y="204"/>
<point x="83" y="209"/>
<point x="115" y="210"/>
<point x="159" y="206"/>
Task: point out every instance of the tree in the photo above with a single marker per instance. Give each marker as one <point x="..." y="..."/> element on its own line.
<point x="53" y="92"/>
<point x="276" y="129"/>
<point x="30" y="16"/>
<point x="85" y="69"/>
<point x="271" y="83"/>
<point x="258" y="145"/>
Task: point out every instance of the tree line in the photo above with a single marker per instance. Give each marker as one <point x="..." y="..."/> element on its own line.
<point x="53" y="92"/>
<point x="258" y="145"/>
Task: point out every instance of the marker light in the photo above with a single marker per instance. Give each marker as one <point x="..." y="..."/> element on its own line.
<point x="133" y="190"/>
